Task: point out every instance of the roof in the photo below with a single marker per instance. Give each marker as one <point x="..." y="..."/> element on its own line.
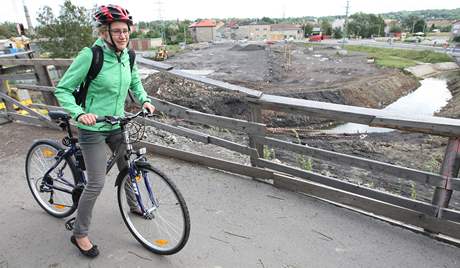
<point x="285" y="27"/>
<point x="203" y="23"/>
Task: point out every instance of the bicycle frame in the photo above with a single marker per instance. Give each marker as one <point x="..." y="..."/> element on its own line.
<point x="81" y="178"/>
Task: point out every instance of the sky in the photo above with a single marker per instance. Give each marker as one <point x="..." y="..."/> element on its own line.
<point x="148" y="10"/>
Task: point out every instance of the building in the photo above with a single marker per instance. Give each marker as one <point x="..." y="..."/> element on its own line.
<point x="203" y="31"/>
<point x="456" y="29"/>
<point x="144" y="44"/>
<point x="440" y="23"/>
<point x="338" y="23"/>
<point x="286" y="31"/>
<point x="389" y="24"/>
<point x="253" y="32"/>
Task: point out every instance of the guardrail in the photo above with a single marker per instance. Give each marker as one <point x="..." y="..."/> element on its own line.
<point x="434" y="217"/>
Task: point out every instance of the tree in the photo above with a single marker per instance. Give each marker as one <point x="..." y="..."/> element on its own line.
<point x="308" y="29"/>
<point x="7" y="30"/>
<point x="395" y="28"/>
<point x="414" y="24"/>
<point x="337" y="33"/>
<point x="64" y="36"/>
<point x="366" y="25"/>
<point x="267" y="20"/>
<point x="326" y="27"/>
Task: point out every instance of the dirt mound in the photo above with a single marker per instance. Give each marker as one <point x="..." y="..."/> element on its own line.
<point x="248" y="47"/>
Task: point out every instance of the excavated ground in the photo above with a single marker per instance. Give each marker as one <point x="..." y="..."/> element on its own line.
<point x="318" y="73"/>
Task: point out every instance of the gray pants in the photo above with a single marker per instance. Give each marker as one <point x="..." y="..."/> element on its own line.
<point x="93" y="146"/>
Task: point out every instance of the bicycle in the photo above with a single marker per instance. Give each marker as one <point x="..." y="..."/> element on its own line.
<point x="56" y="178"/>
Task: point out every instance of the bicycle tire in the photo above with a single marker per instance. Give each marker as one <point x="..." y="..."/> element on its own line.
<point x="55" y="202"/>
<point x="156" y="242"/>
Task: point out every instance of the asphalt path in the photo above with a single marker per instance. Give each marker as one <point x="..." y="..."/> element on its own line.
<point x="236" y="222"/>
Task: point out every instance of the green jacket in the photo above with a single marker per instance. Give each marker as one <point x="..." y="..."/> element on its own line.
<point x="107" y="92"/>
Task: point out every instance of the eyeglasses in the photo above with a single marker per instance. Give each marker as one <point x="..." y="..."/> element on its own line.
<point x="118" y="32"/>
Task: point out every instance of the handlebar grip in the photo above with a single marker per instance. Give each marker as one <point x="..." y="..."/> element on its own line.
<point x="100" y="119"/>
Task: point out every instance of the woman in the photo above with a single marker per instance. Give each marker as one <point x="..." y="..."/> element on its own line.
<point x="106" y="96"/>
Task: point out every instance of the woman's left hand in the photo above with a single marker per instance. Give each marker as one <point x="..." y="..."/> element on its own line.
<point x="149" y="107"/>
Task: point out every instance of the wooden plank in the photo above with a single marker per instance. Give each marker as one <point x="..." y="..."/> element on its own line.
<point x="194" y="135"/>
<point x="207" y="119"/>
<point x="225" y="122"/>
<point x="39" y="62"/>
<point x="22" y="76"/>
<point x="8" y="106"/>
<point x="233" y="146"/>
<point x="45" y="80"/>
<point x="351" y="188"/>
<point x="430" y="124"/>
<point x="16" y="69"/>
<point x="220" y="84"/>
<point x="374" y="206"/>
<point x="208" y="161"/>
<point x="316" y="108"/>
<point x="32" y="120"/>
<point x="3" y="117"/>
<point x="41" y="117"/>
<point x="364" y="163"/>
<point x="36" y="88"/>
<point x="373" y="117"/>
<point x="154" y="64"/>
<point x="47" y="107"/>
<point x="198" y="136"/>
<point x="449" y="214"/>
<point x="25" y="54"/>
<point x="255" y="115"/>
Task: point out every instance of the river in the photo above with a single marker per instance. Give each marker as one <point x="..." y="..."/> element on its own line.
<point x="429" y="98"/>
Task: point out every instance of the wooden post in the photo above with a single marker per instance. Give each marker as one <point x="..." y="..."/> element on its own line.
<point x="45" y="80"/>
<point x="450" y="168"/>
<point x="8" y="106"/>
<point x="255" y="115"/>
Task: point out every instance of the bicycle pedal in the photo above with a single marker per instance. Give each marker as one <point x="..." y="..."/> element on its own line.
<point x="69" y="224"/>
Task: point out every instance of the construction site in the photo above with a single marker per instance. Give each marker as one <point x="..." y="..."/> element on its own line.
<point x="323" y="73"/>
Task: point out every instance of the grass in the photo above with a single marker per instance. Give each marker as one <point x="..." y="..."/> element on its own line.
<point x="401" y="58"/>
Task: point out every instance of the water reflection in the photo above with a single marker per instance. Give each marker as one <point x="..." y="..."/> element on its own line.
<point x="429" y="98"/>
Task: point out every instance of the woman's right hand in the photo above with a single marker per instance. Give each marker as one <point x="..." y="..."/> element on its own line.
<point x="87" y="119"/>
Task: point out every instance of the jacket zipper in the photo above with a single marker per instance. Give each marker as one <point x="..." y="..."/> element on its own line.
<point x="121" y="80"/>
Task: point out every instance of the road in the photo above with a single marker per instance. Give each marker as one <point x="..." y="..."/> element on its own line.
<point x="236" y="222"/>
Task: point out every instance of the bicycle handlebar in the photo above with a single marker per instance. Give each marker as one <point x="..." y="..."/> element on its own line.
<point x="114" y="120"/>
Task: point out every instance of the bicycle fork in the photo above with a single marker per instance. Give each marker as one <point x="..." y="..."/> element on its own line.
<point x="135" y="178"/>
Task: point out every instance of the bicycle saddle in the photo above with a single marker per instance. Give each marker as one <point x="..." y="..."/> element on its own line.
<point x="59" y="115"/>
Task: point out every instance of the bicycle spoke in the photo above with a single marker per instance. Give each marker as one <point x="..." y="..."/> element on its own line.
<point x="166" y="230"/>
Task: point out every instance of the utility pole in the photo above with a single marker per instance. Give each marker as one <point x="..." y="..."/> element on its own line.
<point x="29" y="22"/>
<point x="160" y="17"/>
<point x="345" y="25"/>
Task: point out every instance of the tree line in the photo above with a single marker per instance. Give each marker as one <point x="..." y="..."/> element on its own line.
<point x="64" y="34"/>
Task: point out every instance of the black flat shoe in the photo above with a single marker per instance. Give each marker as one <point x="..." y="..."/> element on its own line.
<point x="137" y="212"/>
<point x="90" y="253"/>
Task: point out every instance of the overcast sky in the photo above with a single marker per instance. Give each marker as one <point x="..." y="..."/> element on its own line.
<point x="147" y="10"/>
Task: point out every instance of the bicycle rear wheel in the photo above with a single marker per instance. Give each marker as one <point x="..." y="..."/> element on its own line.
<point x="164" y="227"/>
<point x="54" y="197"/>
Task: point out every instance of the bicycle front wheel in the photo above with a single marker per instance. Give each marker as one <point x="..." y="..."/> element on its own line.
<point x="53" y="194"/>
<point x="154" y="211"/>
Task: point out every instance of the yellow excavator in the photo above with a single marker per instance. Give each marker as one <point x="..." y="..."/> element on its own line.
<point x="161" y="54"/>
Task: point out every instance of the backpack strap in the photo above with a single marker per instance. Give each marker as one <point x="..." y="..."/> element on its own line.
<point x="94" y="69"/>
<point x="132" y="59"/>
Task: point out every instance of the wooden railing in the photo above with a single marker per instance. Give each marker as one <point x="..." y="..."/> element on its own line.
<point x="434" y="217"/>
